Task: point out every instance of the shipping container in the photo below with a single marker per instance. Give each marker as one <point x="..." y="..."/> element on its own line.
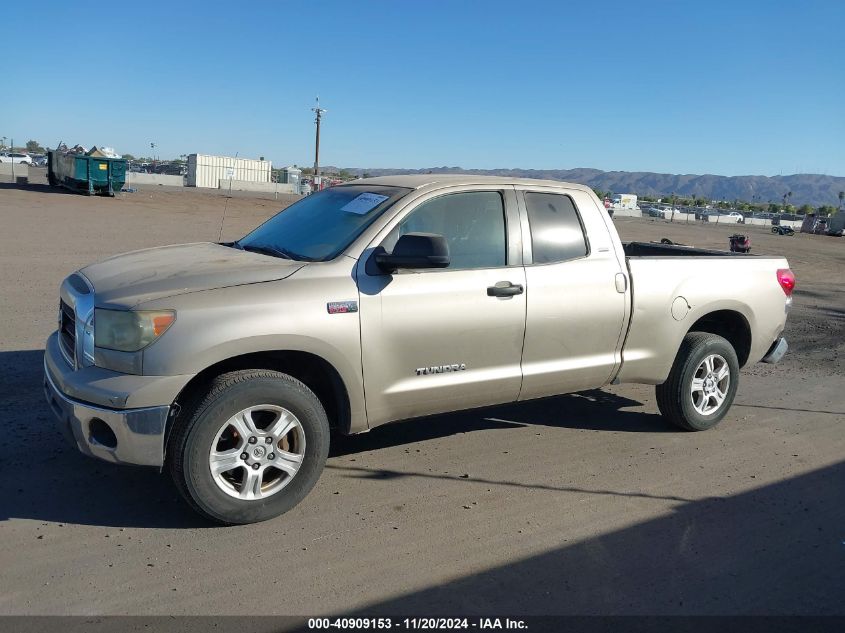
<point x="86" y="174"/>
<point x="836" y="224"/>
<point x="207" y="171"/>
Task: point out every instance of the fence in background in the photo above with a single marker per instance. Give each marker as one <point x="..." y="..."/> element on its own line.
<point x="264" y="187"/>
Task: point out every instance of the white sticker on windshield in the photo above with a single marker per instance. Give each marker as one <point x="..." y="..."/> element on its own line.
<point x="364" y="203"/>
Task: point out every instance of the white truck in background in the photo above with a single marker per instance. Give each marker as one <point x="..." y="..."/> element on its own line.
<point x="624" y="201"/>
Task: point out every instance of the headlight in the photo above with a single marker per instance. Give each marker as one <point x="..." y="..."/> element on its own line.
<point x="130" y="330"/>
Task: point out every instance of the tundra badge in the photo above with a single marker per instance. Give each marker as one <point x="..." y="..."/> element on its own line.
<point x="440" y="369"/>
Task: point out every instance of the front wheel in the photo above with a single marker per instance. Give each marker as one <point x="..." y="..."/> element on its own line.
<point x="702" y="383"/>
<point x="250" y="448"/>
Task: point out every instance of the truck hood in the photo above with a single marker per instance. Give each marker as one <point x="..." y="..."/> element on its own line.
<point x="155" y="273"/>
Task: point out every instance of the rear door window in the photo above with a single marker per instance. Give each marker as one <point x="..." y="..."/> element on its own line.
<point x="556" y="231"/>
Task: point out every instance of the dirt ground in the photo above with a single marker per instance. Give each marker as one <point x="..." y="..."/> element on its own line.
<point x="587" y="503"/>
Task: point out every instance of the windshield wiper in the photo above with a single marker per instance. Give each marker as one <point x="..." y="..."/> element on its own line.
<point x="275" y="251"/>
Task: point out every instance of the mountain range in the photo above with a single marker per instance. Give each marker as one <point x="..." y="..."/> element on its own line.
<point x="813" y="189"/>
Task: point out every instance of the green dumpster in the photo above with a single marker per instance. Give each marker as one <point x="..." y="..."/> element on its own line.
<point x="86" y="174"/>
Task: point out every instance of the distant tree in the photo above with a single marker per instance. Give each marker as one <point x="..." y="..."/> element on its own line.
<point x="841" y="198"/>
<point x="34" y="147"/>
<point x="366" y="174"/>
<point x="786" y="197"/>
<point x="804" y="209"/>
<point x="790" y="208"/>
<point x="774" y="207"/>
<point x="827" y="209"/>
<point x="128" y="157"/>
<point x="599" y="193"/>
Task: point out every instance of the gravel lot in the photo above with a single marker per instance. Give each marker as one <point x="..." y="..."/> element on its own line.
<point x="587" y="503"/>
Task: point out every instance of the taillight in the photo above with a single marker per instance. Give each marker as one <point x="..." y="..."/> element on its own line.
<point x="786" y="279"/>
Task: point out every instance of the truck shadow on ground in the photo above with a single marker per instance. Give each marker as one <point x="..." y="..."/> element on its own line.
<point x="772" y="550"/>
<point x="49" y="480"/>
<point x="593" y="410"/>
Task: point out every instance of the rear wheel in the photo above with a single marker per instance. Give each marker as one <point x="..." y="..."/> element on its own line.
<point x="702" y="383"/>
<point x="251" y="448"/>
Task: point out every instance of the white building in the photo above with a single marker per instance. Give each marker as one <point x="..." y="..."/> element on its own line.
<point x="207" y="171"/>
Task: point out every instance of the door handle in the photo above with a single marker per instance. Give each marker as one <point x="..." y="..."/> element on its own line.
<point x="508" y="290"/>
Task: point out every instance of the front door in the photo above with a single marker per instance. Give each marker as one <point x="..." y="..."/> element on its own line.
<point x="440" y="340"/>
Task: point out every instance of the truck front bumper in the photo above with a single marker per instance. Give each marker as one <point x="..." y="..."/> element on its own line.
<point x="131" y="435"/>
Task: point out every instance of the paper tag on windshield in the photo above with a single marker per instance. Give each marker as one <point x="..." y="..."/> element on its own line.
<point x="364" y="203"/>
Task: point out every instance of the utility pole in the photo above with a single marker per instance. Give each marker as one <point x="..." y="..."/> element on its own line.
<point x="319" y="112"/>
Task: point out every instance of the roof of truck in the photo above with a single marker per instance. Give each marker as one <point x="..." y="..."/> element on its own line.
<point x="419" y="181"/>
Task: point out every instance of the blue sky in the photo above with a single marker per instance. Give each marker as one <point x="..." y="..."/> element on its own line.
<point x="729" y="87"/>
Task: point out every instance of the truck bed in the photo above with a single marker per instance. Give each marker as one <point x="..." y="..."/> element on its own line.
<point x="655" y="249"/>
<point x="674" y="286"/>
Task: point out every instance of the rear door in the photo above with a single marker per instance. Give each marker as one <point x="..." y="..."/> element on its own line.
<point x="577" y="293"/>
<point x="441" y="340"/>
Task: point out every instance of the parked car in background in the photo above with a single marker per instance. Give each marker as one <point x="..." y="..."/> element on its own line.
<point x="739" y="217"/>
<point x="40" y="160"/>
<point x="171" y="169"/>
<point x="14" y="157"/>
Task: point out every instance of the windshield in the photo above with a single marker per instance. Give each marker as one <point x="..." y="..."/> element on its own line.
<point x="321" y="226"/>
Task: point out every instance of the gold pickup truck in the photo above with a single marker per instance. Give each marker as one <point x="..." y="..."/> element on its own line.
<point x="386" y="299"/>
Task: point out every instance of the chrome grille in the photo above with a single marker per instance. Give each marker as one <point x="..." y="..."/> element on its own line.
<point x="67" y="332"/>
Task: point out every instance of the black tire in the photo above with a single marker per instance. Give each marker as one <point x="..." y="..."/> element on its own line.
<point x="199" y="422"/>
<point x="674" y="397"/>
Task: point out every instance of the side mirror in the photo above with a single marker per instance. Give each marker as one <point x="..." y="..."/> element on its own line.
<point x="415" y="250"/>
